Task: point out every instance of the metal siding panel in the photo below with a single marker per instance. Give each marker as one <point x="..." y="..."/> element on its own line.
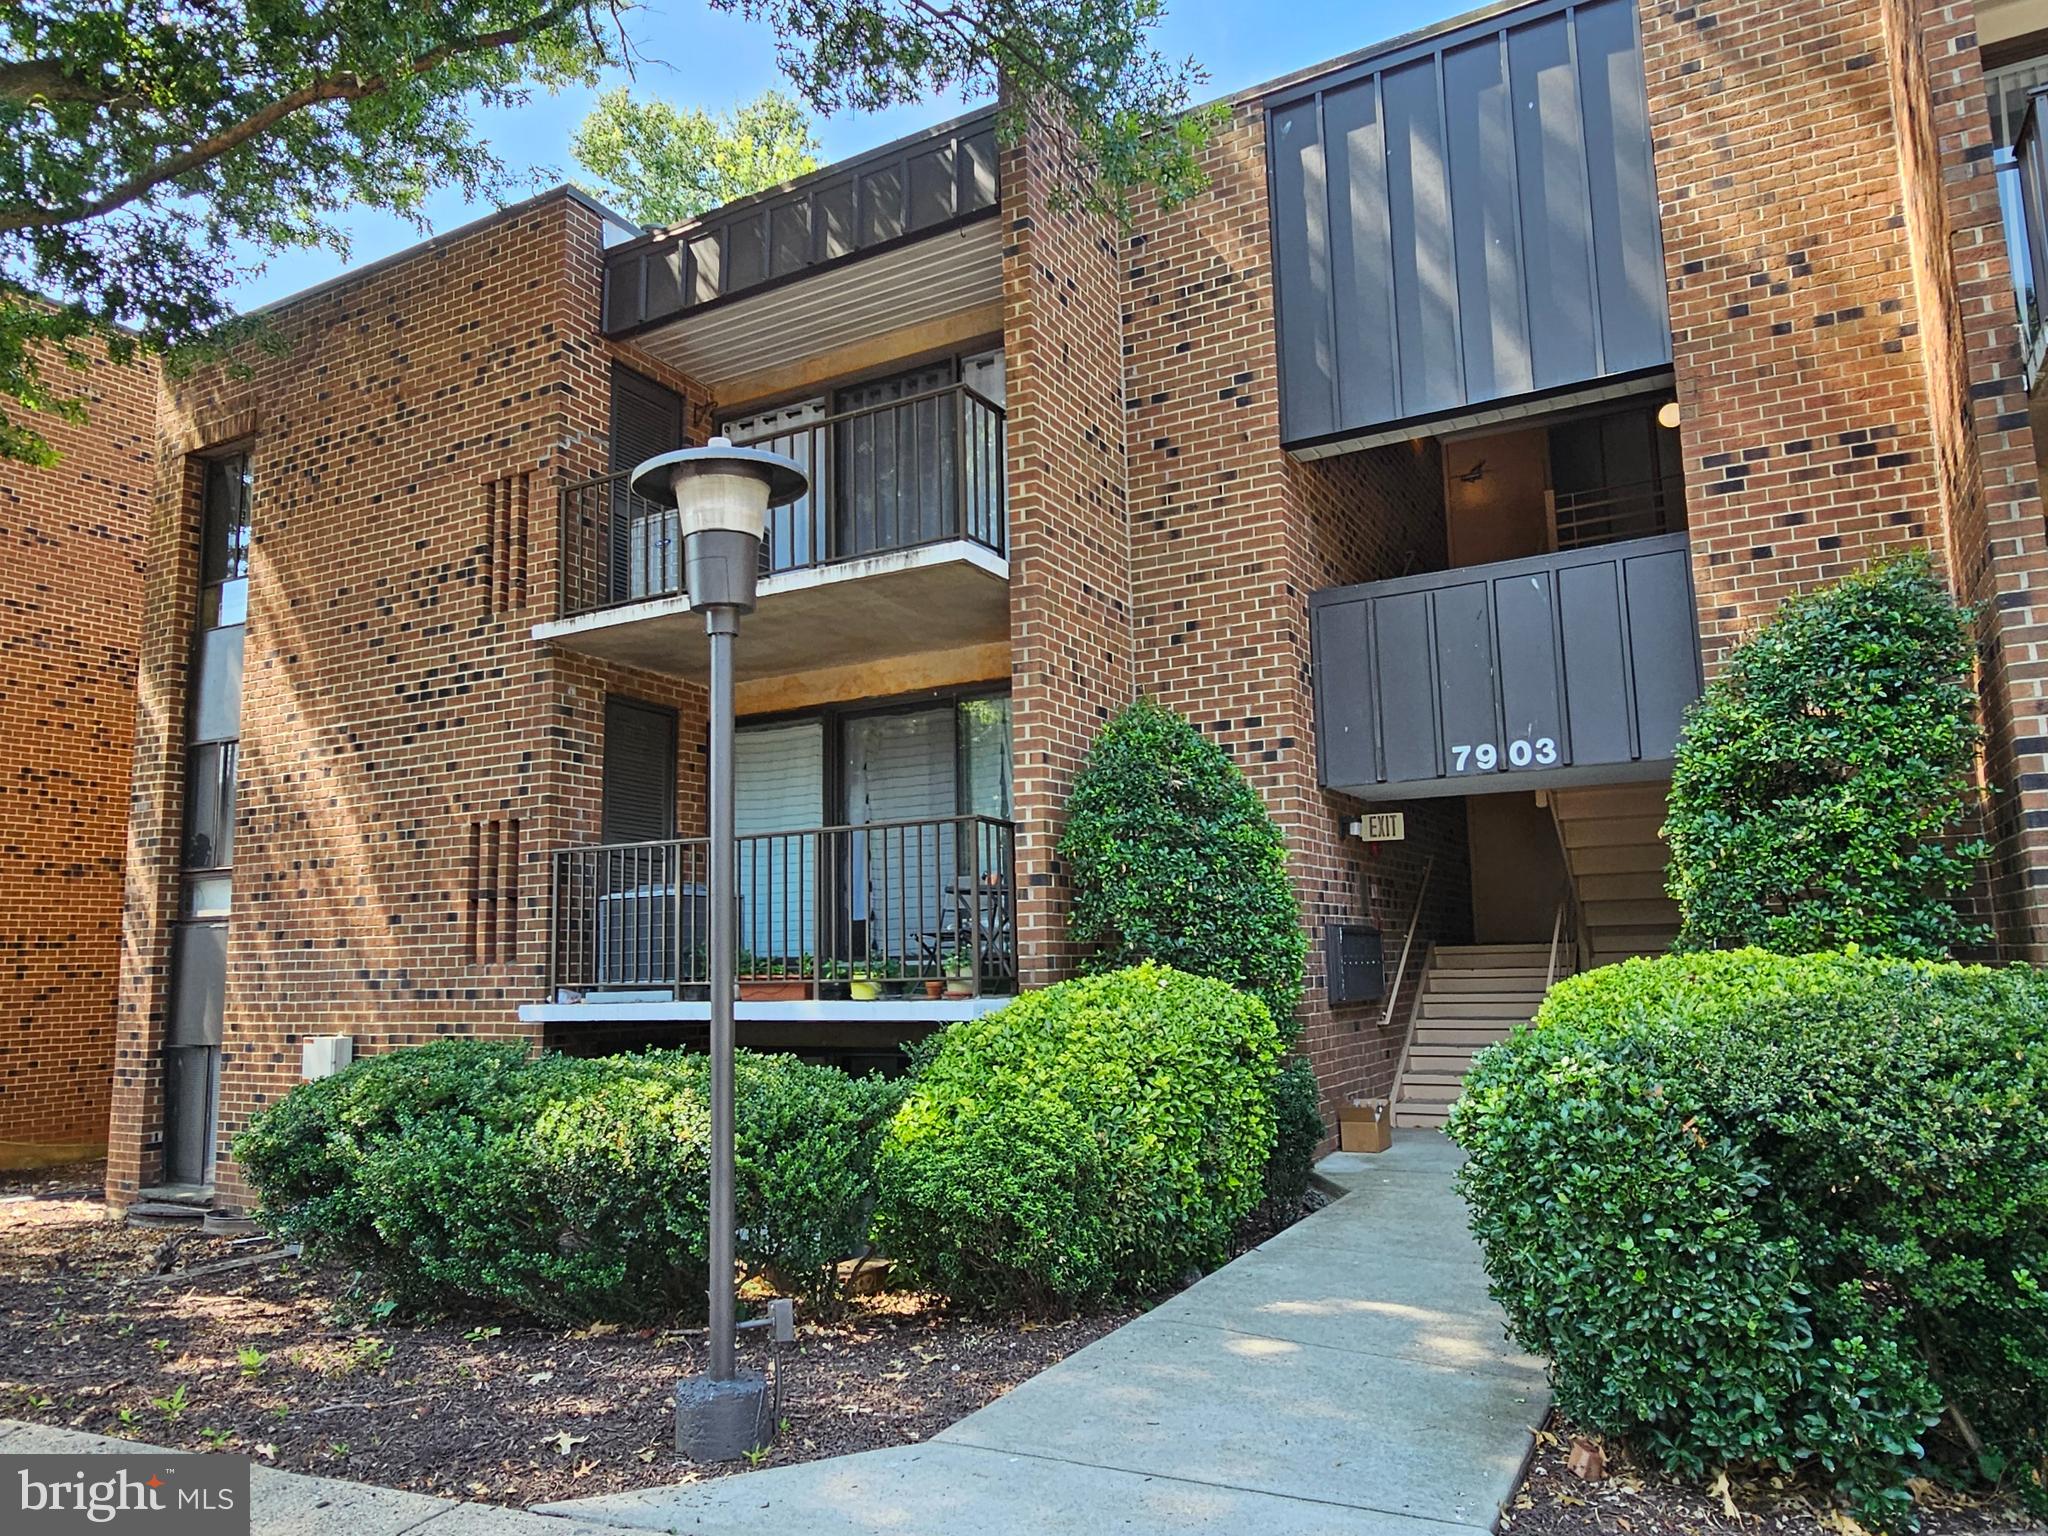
<point x="1408" y="724"/>
<point x="1344" y="693"/>
<point x="1466" y="678"/>
<point x="1665" y="655"/>
<point x="1595" y="668"/>
<point x="1361" y="258"/>
<point x="1635" y="328"/>
<point x="1419" y="217"/>
<point x="1530" y="707"/>
<point x="1551" y="165"/>
<point x="1302" y="256"/>
<point x="1488" y="246"/>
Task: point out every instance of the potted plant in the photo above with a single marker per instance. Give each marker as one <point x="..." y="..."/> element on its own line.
<point x="862" y="985"/>
<point x="960" y="974"/>
<point x="774" y="981"/>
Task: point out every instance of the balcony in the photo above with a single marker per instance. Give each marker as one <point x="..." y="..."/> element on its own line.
<point x="878" y="913"/>
<point x="1563" y="669"/>
<point x="2023" y="201"/>
<point x="901" y="546"/>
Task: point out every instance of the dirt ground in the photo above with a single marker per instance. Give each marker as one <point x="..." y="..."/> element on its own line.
<point x="1629" y="1498"/>
<point x="263" y="1360"/>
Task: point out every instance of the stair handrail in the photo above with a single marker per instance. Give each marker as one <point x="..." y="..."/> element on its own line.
<point x="1408" y="944"/>
<point x="1556" y="933"/>
<point x="1568" y="904"/>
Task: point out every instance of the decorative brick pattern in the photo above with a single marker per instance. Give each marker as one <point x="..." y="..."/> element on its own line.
<point x="70" y="613"/>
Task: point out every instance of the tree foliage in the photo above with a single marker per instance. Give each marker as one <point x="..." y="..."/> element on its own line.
<point x="1174" y="858"/>
<point x="660" y="164"/>
<point x="1822" y="778"/>
<point x="162" y="153"/>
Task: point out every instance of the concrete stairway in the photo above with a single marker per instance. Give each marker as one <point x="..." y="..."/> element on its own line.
<point x="1472" y="995"/>
<point x="1616" y="855"/>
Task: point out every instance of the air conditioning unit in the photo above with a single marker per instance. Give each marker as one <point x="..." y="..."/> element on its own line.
<point x="325" y="1055"/>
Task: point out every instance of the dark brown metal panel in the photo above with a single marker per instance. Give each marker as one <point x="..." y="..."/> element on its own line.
<point x="1595" y="664"/>
<point x="1342" y="634"/>
<point x="1308" y="362"/>
<point x="1532" y="709"/>
<point x="1466" y="681"/>
<point x="1665" y="657"/>
<point x="1403" y="684"/>
<point x="1361" y="292"/>
<point x="1485" y="223"/>
<point x="1419" y="199"/>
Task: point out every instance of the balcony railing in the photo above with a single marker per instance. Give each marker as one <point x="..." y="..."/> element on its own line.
<point x="2023" y="202"/>
<point x="927" y="469"/>
<point x="884" y="909"/>
<point x="1642" y="509"/>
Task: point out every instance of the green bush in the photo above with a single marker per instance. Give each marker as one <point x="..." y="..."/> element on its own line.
<point x="1780" y="1211"/>
<point x="1297" y="1131"/>
<point x="565" y="1188"/>
<point x="1173" y="858"/>
<point x="1821" y="778"/>
<point x="1096" y="1138"/>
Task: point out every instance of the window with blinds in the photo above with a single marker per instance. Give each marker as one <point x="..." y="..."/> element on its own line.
<point x="646" y="545"/>
<point x="639" y="772"/>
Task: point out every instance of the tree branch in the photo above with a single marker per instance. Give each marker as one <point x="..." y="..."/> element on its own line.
<point x="25" y="80"/>
<point x="322" y="88"/>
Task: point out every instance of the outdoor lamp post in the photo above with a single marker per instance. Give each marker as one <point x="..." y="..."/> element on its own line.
<point x="721" y="495"/>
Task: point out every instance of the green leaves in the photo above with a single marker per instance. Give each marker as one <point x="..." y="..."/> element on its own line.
<point x="569" y="1189"/>
<point x="659" y="164"/>
<point x="1778" y="1211"/>
<point x="160" y="154"/>
<point x="1823" y="777"/>
<point x="1173" y="857"/>
<point x="1095" y="1138"/>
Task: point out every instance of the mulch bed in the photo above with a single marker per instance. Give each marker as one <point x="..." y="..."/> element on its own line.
<point x="267" y="1361"/>
<point x="1629" y="1497"/>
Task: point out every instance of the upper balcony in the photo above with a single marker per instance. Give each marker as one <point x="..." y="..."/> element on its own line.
<point x="901" y="546"/>
<point x="901" y="237"/>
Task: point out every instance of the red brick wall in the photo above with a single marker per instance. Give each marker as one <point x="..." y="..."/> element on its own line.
<point x="410" y="755"/>
<point x="1070" y="617"/>
<point x="1842" y="334"/>
<point x="70" y="599"/>
<point x="1230" y="535"/>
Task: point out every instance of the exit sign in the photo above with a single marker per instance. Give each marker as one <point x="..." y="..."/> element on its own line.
<point x="1384" y="827"/>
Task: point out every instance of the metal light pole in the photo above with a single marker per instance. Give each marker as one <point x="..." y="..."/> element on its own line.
<point x="722" y="495"/>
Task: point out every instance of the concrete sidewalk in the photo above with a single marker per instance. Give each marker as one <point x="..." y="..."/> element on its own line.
<point x="1350" y="1376"/>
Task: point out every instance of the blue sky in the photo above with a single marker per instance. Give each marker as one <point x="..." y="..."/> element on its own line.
<point x="699" y="57"/>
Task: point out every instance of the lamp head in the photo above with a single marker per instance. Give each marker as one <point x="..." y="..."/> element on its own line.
<point x="721" y="495"/>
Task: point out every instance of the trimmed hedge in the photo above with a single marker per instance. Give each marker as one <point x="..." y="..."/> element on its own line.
<point x="1823" y="778"/>
<point x="1096" y="1138"/>
<point x="571" y="1189"/>
<point x="1174" y="859"/>
<point x="1780" y="1211"/>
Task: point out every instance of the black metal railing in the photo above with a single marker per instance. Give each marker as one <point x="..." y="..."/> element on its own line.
<point x="920" y="908"/>
<point x="926" y="469"/>
<point x="2023" y="204"/>
<point x="1607" y="514"/>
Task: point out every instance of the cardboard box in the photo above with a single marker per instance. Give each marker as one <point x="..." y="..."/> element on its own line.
<point x="1367" y="1126"/>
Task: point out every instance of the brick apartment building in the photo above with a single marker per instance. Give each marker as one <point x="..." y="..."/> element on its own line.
<point x="1429" y="459"/>
<point x="71" y="551"/>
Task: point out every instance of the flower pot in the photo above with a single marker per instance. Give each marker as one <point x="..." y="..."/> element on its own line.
<point x="862" y="990"/>
<point x="960" y="986"/>
<point x="935" y="987"/>
<point x="783" y="991"/>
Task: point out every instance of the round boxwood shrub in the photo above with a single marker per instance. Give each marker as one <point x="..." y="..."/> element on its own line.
<point x="569" y="1189"/>
<point x="1780" y="1211"/>
<point x="1097" y="1138"/>
<point x="1173" y="858"/>
<point x="1822" y="777"/>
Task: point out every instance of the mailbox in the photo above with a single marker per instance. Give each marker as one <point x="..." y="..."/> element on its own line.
<point x="1354" y="965"/>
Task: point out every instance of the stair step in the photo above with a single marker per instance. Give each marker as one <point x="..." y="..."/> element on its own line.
<point x="164" y="1213"/>
<point x="1631" y="885"/>
<point x="1420" y="1117"/>
<point x="1621" y="859"/>
<point x="1603" y="916"/>
<point x="1647" y="798"/>
<point x="1489" y="979"/>
<point x="1460" y="952"/>
<point x="1427" y="1090"/>
<point x="1470" y="1037"/>
<point x="1509" y="1000"/>
<point x="1613" y="832"/>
